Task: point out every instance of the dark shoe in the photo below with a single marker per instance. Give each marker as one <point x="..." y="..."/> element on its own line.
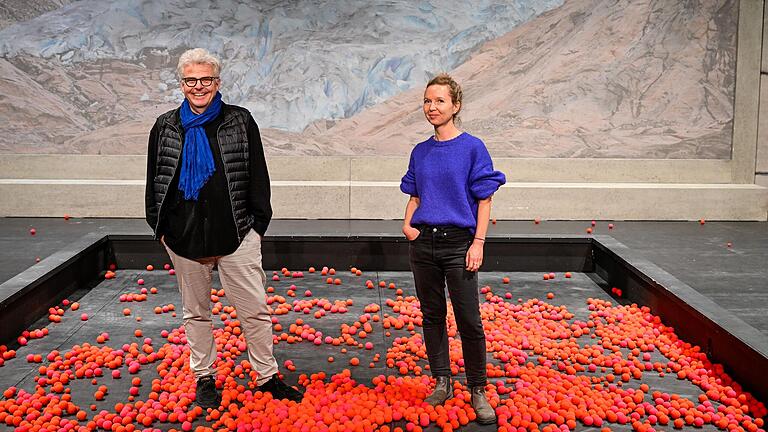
<point x="442" y="392"/>
<point x="206" y="395"/>
<point x="280" y="390"/>
<point x="484" y="411"/>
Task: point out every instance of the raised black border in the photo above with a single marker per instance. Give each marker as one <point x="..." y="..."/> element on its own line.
<point x="696" y="319"/>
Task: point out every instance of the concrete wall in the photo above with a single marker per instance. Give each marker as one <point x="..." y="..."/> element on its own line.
<point x="761" y="163"/>
<point x="368" y="188"/>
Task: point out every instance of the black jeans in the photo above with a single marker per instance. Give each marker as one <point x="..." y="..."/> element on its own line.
<point x="438" y="256"/>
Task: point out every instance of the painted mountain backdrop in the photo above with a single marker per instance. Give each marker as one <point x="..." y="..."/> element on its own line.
<point x="542" y="78"/>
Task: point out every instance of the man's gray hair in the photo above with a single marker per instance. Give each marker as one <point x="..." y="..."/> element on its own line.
<point x="198" y="56"/>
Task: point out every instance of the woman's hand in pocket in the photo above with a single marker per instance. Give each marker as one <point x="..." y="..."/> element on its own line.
<point x="410" y="232"/>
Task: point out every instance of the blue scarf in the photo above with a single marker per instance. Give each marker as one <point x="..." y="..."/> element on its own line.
<point x="196" y="158"/>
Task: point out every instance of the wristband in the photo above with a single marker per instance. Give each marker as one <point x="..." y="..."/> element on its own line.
<point x="480" y="238"/>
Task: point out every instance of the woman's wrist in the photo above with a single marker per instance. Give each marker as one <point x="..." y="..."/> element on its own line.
<point x="480" y="239"/>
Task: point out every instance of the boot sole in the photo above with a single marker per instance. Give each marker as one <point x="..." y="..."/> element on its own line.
<point x="441" y="403"/>
<point x="205" y="406"/>
<point x="487" y="422"/>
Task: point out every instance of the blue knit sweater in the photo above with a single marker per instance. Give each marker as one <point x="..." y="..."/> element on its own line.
<point x="449" y="177"/>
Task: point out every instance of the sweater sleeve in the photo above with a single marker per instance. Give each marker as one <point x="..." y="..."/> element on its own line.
<point x="259" y="192"/>
<point x="408" y="183"/>
<point x="484" y="181"/>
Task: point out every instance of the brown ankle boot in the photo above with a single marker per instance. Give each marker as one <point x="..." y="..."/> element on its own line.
<point x="485" y="412"/>
<point x="442" y="392"/>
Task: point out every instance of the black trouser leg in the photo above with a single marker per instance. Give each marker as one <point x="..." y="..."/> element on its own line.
<point x="438" y="256"/>
<point x="462" y="287"/>
<point x="430" y="289"/>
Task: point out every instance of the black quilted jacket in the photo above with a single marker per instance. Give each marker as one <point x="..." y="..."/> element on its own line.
<point x="242" y="155"/>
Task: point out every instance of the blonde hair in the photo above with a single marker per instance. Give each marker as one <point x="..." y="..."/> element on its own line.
<point x="454" y="89"/>
<point x="198" y="56"/>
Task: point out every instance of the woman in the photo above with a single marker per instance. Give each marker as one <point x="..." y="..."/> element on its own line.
<point x="451" y="181"/>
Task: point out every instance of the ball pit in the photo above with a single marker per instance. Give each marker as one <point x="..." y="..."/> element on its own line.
<point x="594" y="363"/>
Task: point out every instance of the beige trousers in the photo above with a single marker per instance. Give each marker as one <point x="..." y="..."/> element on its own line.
<point x="243" y="281"/>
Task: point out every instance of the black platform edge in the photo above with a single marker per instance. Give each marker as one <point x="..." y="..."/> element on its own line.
<point x="698" y="320"/>
<point x="385" y="252"/>
<point x="27" y="296"/>
<point x="724" y="337"/>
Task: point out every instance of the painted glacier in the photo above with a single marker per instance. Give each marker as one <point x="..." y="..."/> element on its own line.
<point x="542" y="78"/>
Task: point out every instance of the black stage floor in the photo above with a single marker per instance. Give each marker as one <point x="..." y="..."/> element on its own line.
<point x="734" y="277"/>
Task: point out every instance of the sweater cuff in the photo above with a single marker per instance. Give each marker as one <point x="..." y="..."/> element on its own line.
<point x="408" y="188"/>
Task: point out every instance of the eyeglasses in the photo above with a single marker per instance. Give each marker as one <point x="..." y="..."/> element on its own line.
<point x="205" y="81"/>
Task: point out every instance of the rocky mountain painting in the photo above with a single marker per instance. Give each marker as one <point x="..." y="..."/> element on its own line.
<point x="542" y="78"/>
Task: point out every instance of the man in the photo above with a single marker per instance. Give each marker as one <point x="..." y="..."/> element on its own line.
<point x="207" y="200"/>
